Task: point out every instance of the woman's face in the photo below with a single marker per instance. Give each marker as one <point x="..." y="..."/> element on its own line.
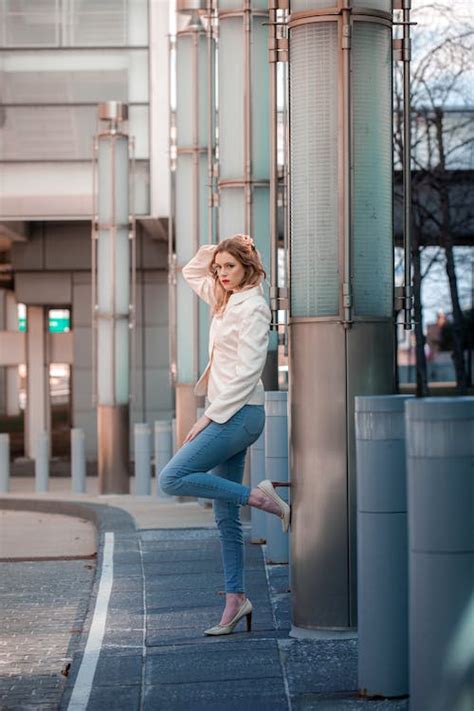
<point x="230" y="271"/>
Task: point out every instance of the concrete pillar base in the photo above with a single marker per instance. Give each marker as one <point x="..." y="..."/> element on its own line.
<point x="113" y="449"/>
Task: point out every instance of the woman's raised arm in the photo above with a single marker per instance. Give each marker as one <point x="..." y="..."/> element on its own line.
<point x="196" y="273"/>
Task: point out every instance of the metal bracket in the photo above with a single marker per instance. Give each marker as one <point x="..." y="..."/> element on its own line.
<point x="346" y="39"/>
<point x="279" y="298"/>
<point x="402" y="50"/>
<point x="278" y="49"/>
<point x="347" y="295"/>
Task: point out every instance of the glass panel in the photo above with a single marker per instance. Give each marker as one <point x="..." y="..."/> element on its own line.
<point x="60" y="132"/>
<point x="59" y="189"/>
<point x="314" y="170"/>
<point x="261" y="235"/>
<point x="185" y="229"/>
<point x="73" y="23"/>
<point x="231" y="98"/>
<point x="185" y="335"/>
<point x="372" y="245"/>
<point x="204" y="321"/>
<point x="231" y="212"/>
<point x="184" y="91"/>
<point x="299" y="5"/>
<point x="385" y="5"/>
<point x="30" y="22"/>
<point x="97" y="23"/>
<point x="260" y="100"/>
<point x="64" y="76"/>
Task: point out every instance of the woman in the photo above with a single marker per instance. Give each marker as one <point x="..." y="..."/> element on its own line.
<point x="227" y="277"/>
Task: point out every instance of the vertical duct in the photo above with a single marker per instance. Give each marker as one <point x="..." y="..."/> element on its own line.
<point x="341" y="282"/>
<point x="111" y="239"/>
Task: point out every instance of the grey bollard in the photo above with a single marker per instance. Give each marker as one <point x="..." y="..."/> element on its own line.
<point x="382" y="555"/>
<point x="78" y="461"/>
<point x="42" y="461"/>
<point x="4" y="463"/>
<point x="142" y="442"/>
<point x="163" y="453"/>
<point x="206" y="503"/>
<point x="440" y="471"/>
<point x="258" y="533"/>
<point x="276" y="468"/>
<point x="174" y="443"/>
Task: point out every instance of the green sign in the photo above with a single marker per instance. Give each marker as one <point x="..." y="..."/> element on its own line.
<point x="56" y="325"/>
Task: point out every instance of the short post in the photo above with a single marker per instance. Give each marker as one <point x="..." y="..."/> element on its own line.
<point x="174" y="443"/>
<point x="276" y="468"/>
<point x="382" y="554"/>
<point x="258" y="533"/>
<point x="4" y="463"/>
<point x="440" y="459"/>
<point x="78" y="461"/>
<point x="42" y="461"/>
<point x="163" y="453"/>
<point x="205" y="503"/>
<point x="142" y="446"/>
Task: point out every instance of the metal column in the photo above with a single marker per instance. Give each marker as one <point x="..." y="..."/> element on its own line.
<point x="341" y="283"/>
<point x="113" y="279"/>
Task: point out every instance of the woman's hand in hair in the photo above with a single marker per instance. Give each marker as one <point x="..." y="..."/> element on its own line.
<point x="201" y="424"/>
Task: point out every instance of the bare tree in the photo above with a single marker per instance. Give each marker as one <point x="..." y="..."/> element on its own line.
<point x="441" y="139"/>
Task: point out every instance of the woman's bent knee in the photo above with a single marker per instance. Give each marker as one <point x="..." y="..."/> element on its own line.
<point x="167" y="481"/>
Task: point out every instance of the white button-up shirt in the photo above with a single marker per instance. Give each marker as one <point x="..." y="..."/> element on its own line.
<point x="238" y="342"/>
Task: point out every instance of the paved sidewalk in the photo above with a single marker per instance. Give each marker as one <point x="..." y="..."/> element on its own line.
<point x="167" y="590"/>
<point x="167" y="587"/>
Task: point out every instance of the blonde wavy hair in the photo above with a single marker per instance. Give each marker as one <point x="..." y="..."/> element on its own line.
<point x="242" y="248"/>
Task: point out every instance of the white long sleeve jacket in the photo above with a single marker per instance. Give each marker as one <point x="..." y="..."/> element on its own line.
<point x="238" y="343"/>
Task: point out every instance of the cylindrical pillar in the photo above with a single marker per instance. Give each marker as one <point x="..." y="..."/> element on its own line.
<point x="142" y="445"/>
<point x="244" y="142"/>
<point x="191" y="217"/>
<point x="276" y="469"/>
<point x="174" y="444"/>
<point x="42" y="461"/>
<point x="111" y="298"/>
<point x="440" y="470"/>
<point x="341" y="283"/>
<point x="38" y="406"/>
<point x="78" y="460"/>
<point x="205" y="503"/>
<point x="163" y="452"/>
<point x="258" y="533"/>
<point x="4" y="463"/>
<point x="382" y="554"/>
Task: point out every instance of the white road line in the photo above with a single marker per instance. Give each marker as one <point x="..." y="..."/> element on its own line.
<point x="83" y="686"/>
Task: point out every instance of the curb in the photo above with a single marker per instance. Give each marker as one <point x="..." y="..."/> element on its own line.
<point x="104" y="517"/>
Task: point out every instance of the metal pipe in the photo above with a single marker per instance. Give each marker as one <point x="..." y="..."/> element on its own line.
<point x="347" y="166"/>
<point x="197" y="31"/>
<point x="273" y="54"/>
<point x="211" y="139"/>
<point x="172" y="315"/>
<point x="407" y="226"/>
<point x="248" y="189"/>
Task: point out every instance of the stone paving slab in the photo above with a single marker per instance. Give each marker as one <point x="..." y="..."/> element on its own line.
<point x="42" y="610"/>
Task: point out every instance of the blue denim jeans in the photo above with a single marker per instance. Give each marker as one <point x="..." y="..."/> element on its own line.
<point x="222" y="448"/>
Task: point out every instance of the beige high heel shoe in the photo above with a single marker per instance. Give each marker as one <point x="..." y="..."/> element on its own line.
<point x="267" y="487"/>
<point x="244" y="610"/>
